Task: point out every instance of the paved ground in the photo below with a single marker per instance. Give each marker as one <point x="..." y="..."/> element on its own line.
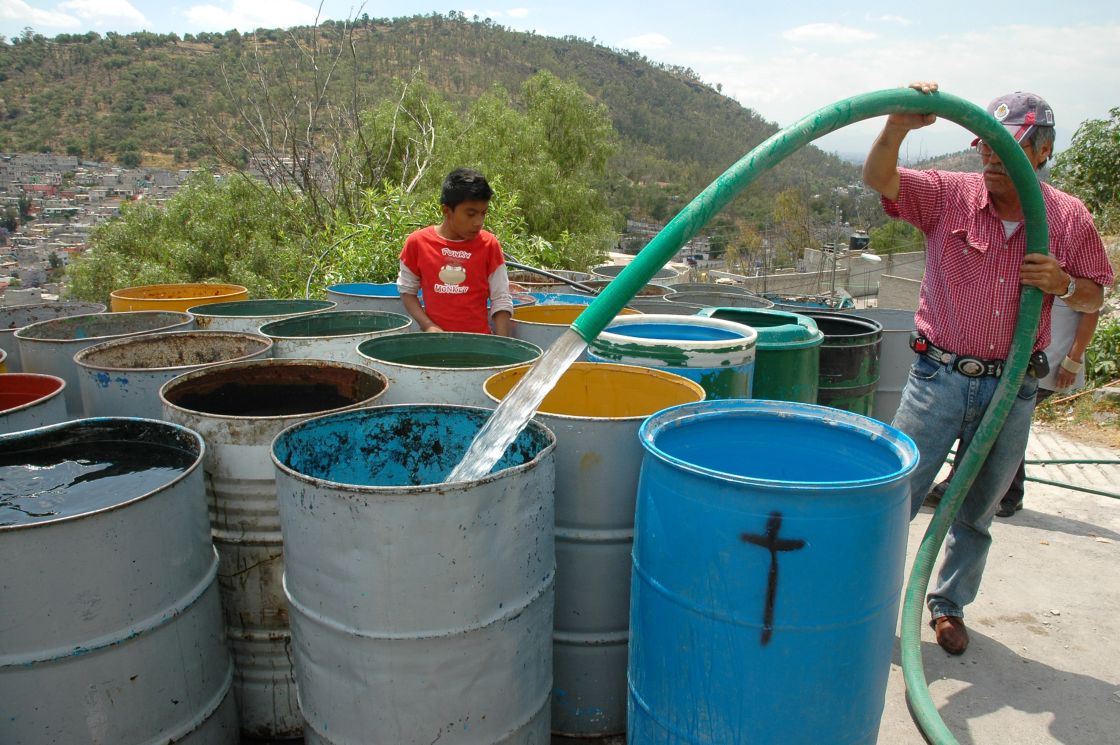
<point x="1044" y="662"/>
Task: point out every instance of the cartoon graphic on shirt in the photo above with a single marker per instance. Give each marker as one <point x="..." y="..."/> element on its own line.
<point x="452" y="274"/>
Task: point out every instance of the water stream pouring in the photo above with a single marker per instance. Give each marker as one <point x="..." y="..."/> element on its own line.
<point x="518" y="407"/>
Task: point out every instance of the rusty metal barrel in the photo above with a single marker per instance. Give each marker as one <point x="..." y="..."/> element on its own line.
<point x="15" y="317"/>
<point x="122" y="377"/>
<point x="239" y="408"/>
<point x="250" y="315"/>
<point x="332" y="334"/>
<point x="48" y="347"/>
<point x="443" y="367"/>
<point x="421" y="608"/>
<point x="110" y="621"/>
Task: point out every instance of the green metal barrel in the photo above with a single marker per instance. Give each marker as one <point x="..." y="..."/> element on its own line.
<point x="787" y="362"/>
<point x="849" y="366"/>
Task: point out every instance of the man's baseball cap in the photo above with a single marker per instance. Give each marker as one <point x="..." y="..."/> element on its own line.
<point x="1021" y="113"/>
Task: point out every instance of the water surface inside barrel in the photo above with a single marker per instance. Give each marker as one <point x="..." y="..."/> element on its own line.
<point x="111" y="615"/>
<point x="52" y="478"/>
<point x="269" y="388"/>
<point x="443" y="367"/>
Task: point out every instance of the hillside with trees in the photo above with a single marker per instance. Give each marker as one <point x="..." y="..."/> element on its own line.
<point x="322" y="147"/>
<point x="148" y="98"/>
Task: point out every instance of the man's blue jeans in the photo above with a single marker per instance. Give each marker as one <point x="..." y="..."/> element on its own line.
<point x="940" y="405"/>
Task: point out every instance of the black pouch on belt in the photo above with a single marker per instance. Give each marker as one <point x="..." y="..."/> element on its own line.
<point x="1039" y="366"/>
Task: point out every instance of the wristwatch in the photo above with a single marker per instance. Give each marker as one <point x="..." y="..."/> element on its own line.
<point x="1070" y="288"/>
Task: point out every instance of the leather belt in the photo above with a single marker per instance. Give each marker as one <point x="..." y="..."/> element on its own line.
<point x="972" y="367"/>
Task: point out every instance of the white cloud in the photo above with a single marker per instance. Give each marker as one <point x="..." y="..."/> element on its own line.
<point x="21" y="13"/>
<point x="647" y="41"/>
<point x="828" y="32"/>
<point x="248" y="15"/>
<point x="1070" y="67"/>
<point x="492" y="14"/>
<point x="890" y="19"/>
<point x="100" y="13"/>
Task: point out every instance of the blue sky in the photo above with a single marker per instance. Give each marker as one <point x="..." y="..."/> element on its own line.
<point x="783" y="59"/>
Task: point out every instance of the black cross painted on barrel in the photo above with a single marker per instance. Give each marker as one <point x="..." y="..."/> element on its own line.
<point x="773" y="544"/>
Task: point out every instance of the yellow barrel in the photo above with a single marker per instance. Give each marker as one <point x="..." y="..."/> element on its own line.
<point x="177" y="297"/>
<point x="543" y="324"/>
<point x="595" y="411"/>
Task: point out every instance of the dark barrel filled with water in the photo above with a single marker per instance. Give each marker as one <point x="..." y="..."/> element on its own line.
<point x="239" y="408"/>
<point x="111" y="618"/>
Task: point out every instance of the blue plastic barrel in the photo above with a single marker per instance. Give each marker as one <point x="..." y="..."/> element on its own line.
<point x="769" y="546"/>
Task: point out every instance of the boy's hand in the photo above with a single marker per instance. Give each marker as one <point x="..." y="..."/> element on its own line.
<point x="433" y="327"/>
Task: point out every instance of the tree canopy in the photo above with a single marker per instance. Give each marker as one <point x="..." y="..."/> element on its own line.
<point x="1090" y="169"/>
<point x="540" y="153"/>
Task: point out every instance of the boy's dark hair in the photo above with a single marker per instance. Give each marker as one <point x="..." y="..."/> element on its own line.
<point x="464" y="184"/>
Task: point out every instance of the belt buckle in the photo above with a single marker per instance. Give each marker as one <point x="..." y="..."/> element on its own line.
<point x="971" y="367"/>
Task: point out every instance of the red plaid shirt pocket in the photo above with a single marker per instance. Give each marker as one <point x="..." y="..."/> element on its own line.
<point x="963" y="258"/>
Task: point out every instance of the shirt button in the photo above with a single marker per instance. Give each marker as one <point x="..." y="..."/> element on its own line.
<point x="997" y="312"/>
<point x="991" y="346"/>
<point x="1001" y="280"/>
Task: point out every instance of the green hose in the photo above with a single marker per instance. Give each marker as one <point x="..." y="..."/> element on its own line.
<point x="696" y="214"/>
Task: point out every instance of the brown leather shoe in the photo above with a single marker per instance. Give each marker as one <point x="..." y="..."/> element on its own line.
<point x="952" y="636"/>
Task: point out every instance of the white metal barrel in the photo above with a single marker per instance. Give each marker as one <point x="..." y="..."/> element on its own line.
<point x="250" y="315"/>
<point x="238" y="408"/>
<point x="15" y="317"/>
<point x="48" y="347"/>
<point x="595" y="410"/>
<point x="332" y="334"/>
<point x="122" y="377"/>
<point x="443" y="368"/>
<point x="111" y="618"/>
<point x="421" y="610"/>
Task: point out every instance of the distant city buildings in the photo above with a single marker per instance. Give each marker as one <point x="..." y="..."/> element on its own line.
<point x="62" y="199"/>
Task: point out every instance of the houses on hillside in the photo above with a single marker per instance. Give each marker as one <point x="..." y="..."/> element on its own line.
<point x="57" y="200"/>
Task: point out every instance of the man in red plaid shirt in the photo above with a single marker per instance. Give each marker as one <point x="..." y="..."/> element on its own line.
<point x="975" y="262"/>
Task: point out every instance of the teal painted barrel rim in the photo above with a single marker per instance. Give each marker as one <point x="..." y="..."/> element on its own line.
<point x="262" y="307"/>
<point x="335" y="323"/>
<point x="334" y="449"/>
<point x="777" y="329"/>
<point x="477" y="351"/>
<point x="890" y="440"/>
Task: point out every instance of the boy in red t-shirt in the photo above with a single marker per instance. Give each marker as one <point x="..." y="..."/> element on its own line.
<point x="457" y="264"/>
